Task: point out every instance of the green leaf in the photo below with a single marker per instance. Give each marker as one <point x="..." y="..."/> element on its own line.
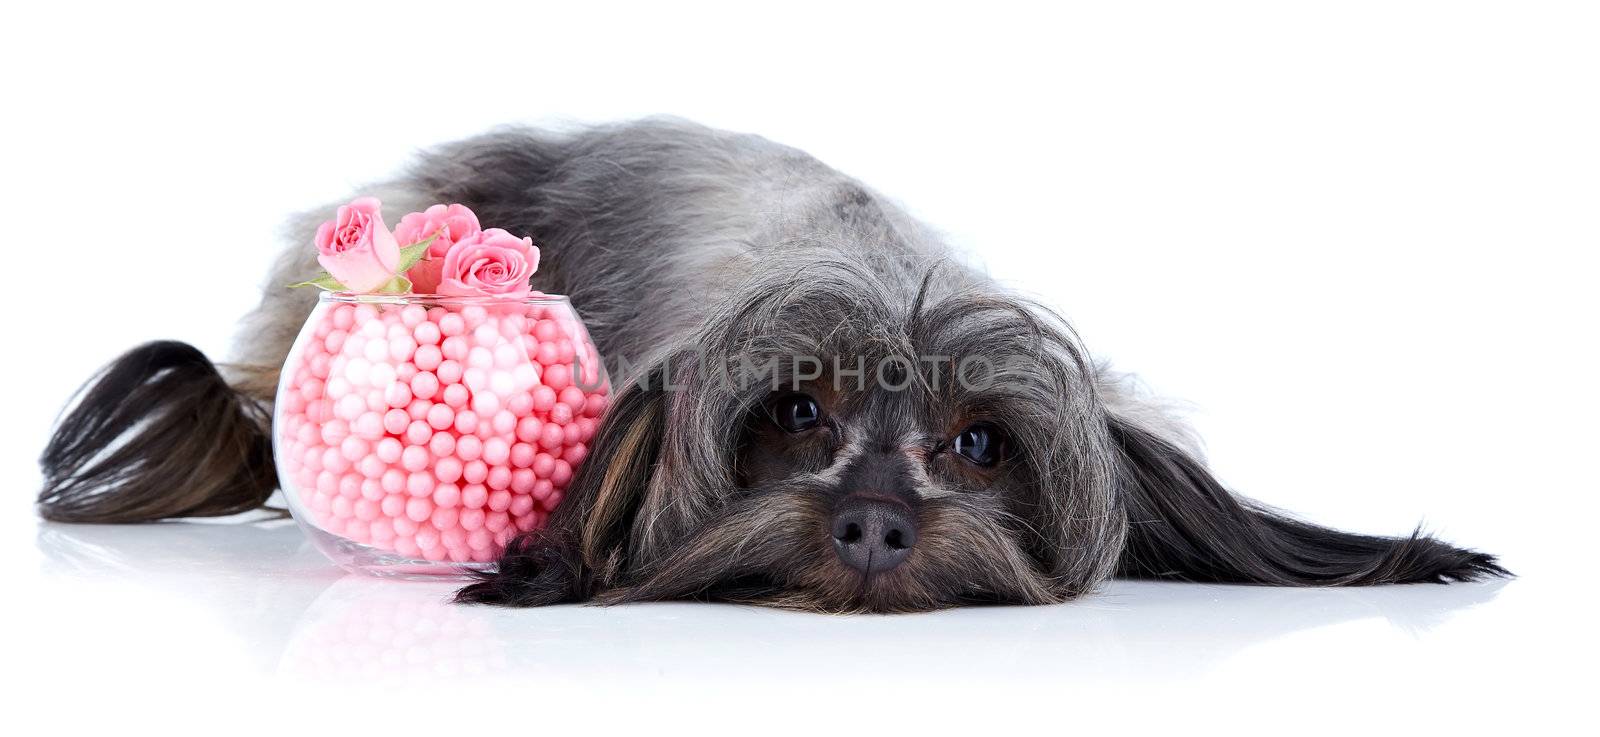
<point x="324" y="282"/>
<point x="410" y="255"/>
<point x="397" y="285"/>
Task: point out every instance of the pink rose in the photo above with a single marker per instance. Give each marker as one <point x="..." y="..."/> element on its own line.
<point x="452" y="223"/>
<point x="492" y="262"/>
<point x="356" y="248"/>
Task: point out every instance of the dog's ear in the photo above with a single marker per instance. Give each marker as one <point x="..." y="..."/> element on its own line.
<point x="585" y="542"/>
<point x="1183" y="525"/>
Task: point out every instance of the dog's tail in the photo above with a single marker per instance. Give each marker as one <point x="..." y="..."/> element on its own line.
<point x="158" y="433"/>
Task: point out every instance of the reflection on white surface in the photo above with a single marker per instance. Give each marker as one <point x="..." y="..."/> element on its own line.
<point x="298" y="616"/>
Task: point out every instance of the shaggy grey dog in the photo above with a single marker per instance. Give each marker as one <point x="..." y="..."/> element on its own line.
<point x="815" y="406"/>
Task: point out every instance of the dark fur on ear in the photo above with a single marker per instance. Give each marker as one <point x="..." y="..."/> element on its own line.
<point x="157" y="434"/>
<point x="1183" y="525"/>
<point x="585" y="539"/>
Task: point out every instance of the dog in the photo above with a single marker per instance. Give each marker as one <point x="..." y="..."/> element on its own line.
<point x="913" y="438"/>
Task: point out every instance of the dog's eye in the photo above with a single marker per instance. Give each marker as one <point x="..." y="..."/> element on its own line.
<point x="982" y="443"/>
<point x="797" y="413"/>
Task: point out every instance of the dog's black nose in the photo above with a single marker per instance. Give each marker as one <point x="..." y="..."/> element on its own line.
<point x="873" y="535"/>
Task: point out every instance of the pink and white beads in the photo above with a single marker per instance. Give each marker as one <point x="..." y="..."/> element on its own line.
<point x="436" y="432"/>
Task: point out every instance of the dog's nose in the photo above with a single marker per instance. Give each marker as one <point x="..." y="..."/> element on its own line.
<point x="873" y="535"/>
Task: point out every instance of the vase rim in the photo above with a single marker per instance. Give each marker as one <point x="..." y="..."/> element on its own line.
<point x="534" y="298"/>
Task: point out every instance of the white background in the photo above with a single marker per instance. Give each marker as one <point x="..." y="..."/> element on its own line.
<point x="1358" y="238"/>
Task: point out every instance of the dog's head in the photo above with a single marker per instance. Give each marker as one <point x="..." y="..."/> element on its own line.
<point x="832" y="442"/>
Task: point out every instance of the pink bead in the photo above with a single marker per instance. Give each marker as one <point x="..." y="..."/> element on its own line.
<point x="371" y="489"/>
<point x="350" y="485"/>
<point x="342" y="316"/>
<point x="522" y="455"/>
<point x="426" y="333"/>
<point x="546" y="331"/>
<point x="366" y="510"/>
<point x="504" y="423"/>
<point x="402" y="347"/>
<point x="499" y="500"/>
<point x="444" y="518"/>
<point x="396" y="420"/>
<point x="404" y="372"/>
<point x="418" y="433"/>
<point x="406" y="546"/>
<point x="522" y="481"/>
<point x="446" y="495"/>
<point x="562" y="474"/>
<point x="354" y="448"/>
<point x="593" y="405"/>
<point x="474" y="315"/>
<point x="447" y="470"/>
<point x="466" y="422"/>
<point x="548" y="354"/>
<point x="424" y="385"/>
<point x="404" y="525"/>
<point x="334" y="431"/>
<point x="413" y="315"/>
<point x="570" y="434"/>
<point x="333" y="461"/>
<point x="479" y="539"/>
<point x="418" y="409"/>
<point x="525" y="522"/>
<point x="394" y="481"/>
<point x="474" y="472"/>
<point x="414" y="458"/>
<point x="575" y="454"/>
<point x="474" y="496"/>
<point x="442" y="444"/>
<point x="428" y="357"/>
<point x="572" y="397"/>
<point x="349" y="407"/>
<point x="551" y="436"/>
<point x="397" y="395"/>
<point x="420" y="483"/>
<point x="441" y="417"/>
<point x="388" y="450"/>
<point x="557" y="376"/>
<point x="543" y="464"/>
<point x="372" y="466"/>
<point x="470" y="519"/>
<point x="369" y="426"/>
<point x="455" y="348"/>
<point x="334" y="340"/>
<point x="418" y="509"/>
<point x="529" y="429"/>
<point x="542" y="489"/>
<point x="382" y="532"/>
<point x="561" y="414"/>
<point x="520" y="404"/>
<point x="469" y="448"/>
<point x="455" y="396"/>
<point x="449" y="372"/>
<point x="428" y="540"/>
<point x="496" y="522"/>
<point x="499" y="478"/>
<point x="496" y="451"/>
<point x="485" y="404"/>
<point x="544" y="398"/>
<point x="392" y="506"/>
<point x="452" y="324"/>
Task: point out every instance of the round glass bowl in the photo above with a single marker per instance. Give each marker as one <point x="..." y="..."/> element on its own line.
<point x="416" y="434"/>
